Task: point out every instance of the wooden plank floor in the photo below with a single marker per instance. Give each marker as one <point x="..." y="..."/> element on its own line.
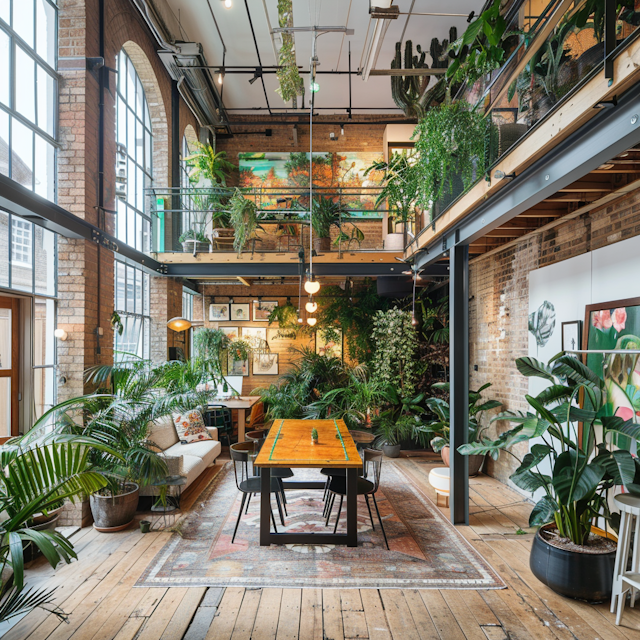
<point x="98" y="595"/>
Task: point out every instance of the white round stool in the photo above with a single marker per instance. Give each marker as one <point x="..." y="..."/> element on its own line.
<point x="439" y="479"/>
<point x="624" y="580"/>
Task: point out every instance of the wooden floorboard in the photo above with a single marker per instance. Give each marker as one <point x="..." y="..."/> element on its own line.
<point x="97" y="592"/>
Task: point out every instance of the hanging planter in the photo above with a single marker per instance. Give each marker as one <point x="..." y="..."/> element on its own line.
<point x="291" y="84"/>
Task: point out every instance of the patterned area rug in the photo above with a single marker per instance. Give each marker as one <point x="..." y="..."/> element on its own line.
<point x="426" y="551"/>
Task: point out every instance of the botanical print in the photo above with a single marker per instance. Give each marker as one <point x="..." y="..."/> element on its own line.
<point x="279" y="335"/>
<point x="616" y="326"/>
<point x="571" y="334"/>
<point x="265" y="364"/>
<point x="262" y="309"/>
<point x="253" y="333"/>
<point x="329" y="342"/>
<point x="542" y="323"/>
<point x="218" y="312"/>
<point x="231" y="332"/>
<point x="240" y="312"/>
<point x="282" y="171"/>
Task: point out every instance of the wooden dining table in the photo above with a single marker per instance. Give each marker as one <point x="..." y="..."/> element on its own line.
<point x="289" y="445"/>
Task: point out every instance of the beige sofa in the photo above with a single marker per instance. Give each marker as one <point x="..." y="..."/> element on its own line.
<point x="188" y="460"/>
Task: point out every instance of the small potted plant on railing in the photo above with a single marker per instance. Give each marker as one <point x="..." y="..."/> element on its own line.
<point x="194" y="241"/>
<point x="572" y="465"/>
<point x="314" y="436"/>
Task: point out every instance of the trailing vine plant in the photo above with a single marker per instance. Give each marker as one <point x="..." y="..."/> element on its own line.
<point x="244" y="220"/>
<point x="395" y="343"/>
<point x="287" y="318"/>
<point x="450" y="142"/>
<point x="291" y="84"/>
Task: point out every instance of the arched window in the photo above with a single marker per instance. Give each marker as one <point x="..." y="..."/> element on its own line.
<point x="134" y="166"/>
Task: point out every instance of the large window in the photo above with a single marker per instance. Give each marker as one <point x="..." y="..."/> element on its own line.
<point x="132" y="305"/>
<point x="134" y="157"/>
<point x="28" y="93"/>
<point x="185" y="182"/>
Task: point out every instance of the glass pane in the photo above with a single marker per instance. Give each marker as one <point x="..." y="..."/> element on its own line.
<point x="122" y="122"/>
<point x="139" y="98"/>
<point x="25" y="85"/>
<point x="131" y="134"/>
<point x="5" y="65"/>
<point x="130" y="290"/>
<point x="5" y="338"/>
<point x="122" y="66"/>
<point x="21" y="154"/>
<point x="5" y="407"/>
<point x="4" y="142"/>
<point x="120" y="286"/>
<point x="140" y="184"/>
<point x="46" y="94"/>
<point x="45" y="261"/>
<point x="23" y="20"/>
<point x="45" y="31"/>
<point x="21" y="254"/>
<point x="139" y="143"/>
<point x="131" y="84"/>
<point x="45" y="169"/>
<point x="145" y="340"/>
<point x="138" y="291"/>
<point x="5" y="10"/>
<point x="4" y="249"/>
<point x="43" y="328"/>
<point x="131" y="184"/>
<point x="145" y="296"/>
<point x="131" y="226"/>
<point x="43" y="390"/>
<point x="148" y="159"/>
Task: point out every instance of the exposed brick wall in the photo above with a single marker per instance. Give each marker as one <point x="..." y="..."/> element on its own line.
<point x="166" y="303"/>
<point x="499" y="305"/>
<point x="86" y="301"/>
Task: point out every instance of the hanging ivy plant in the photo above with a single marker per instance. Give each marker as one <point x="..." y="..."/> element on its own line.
<point x="450" y="143"/>
<point x="291" y="84"/>
<point x="239" y="350"/>
<point x="395" y="343"/>
<point x="287" y="318"/>
<point x="243" y="218"/>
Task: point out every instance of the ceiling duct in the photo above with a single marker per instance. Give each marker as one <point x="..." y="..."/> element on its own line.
<point x="195" y="84"/>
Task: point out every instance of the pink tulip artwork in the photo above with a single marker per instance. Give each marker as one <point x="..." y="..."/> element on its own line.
<point x="602" y="320"/>
<point x="619" y="318"/>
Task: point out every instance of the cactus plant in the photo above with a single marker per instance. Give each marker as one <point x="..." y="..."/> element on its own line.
<point x="410" y="92"/>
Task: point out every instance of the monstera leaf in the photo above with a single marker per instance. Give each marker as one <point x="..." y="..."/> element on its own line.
<point x="542" y="323"/>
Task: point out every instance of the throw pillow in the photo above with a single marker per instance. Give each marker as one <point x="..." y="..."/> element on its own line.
<point x="190" y="426"/>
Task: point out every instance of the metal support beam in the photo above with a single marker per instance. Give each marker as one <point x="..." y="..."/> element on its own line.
<point x="459" y="381"/>
<point x="176" y="144"/>
<point x="250" y="269"/>
<point x="605" y="136"/>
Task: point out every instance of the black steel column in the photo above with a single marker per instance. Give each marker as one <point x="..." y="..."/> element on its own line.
<point x="610" y="17"/>
<point x="265" y="506"/>
<point x="352" y="507"/>
<point x="175" y="221"/>
<point x="459" y="381"/>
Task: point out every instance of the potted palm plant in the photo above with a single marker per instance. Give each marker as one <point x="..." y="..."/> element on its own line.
<point x="58" y="467"/>
<point x="438" y="429"/>
<point x="400" y="192"/>
<point x="326" y="214"/>
<point x="570" y="470"/>
<point x="120" y="418"/>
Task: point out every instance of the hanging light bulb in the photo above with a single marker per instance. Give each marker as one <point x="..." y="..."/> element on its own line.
<point x="227" y="3"/>
<point x="311" y="286"/>
<point x="300" y="320"/>
<point x="220" y="77"/>
<point x="311" y="306"/>
<point x="414" y="320"/>
<point x="311" y="321"/>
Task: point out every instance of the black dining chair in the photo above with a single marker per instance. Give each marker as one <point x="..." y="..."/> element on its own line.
<point x="217" y="415"/>
<point x="248" y="483"/>
<point x="258" y="438"/>
<point x="367" y="486"/>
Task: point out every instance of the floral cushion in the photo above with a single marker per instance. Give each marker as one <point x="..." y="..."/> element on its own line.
<point x="190" y="426"/>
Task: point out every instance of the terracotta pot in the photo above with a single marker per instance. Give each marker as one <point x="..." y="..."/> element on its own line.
<point x="117" y="511"/>
<point x="475" y="462"/>
<point x="40" y="518"/>
<point x="583" y="576"/>
<point x="322" y="245"/>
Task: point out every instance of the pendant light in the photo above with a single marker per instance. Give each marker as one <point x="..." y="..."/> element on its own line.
<point x="311" y="286"/>
<point x="179" y="324"/>
<point x="311" y="306"/>
<point x="311" y="321"/>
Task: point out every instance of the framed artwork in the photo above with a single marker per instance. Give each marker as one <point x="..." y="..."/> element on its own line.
<point x="233" y="333"/>
<point x="262" y="309"/>
<point x="572" y="335"/>
<point x="265" y="364"/>
<point x="259" y="333"/>
<point x="219" y="312"/>
<point x="616" y="326"/>
<point x="280" y="335"/>
<point x="238" y="367"/>
<point x="240" y="312"/>
<point x="329" y="343"/>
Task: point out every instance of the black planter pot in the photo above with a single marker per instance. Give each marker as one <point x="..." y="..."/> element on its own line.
<point x="583" y="576"/>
